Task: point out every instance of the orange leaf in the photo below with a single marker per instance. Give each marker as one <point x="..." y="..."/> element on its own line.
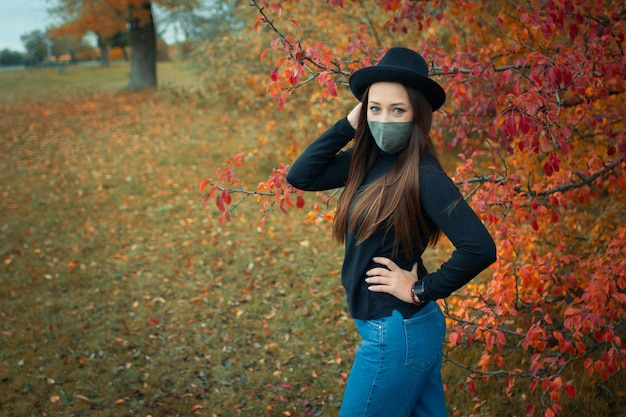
<point x="203" y="184"/>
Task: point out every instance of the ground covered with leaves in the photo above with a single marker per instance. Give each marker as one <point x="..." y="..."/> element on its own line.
<point x="121" y="295"/>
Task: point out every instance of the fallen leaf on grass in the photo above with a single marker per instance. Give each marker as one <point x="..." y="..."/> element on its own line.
<point x="82" y="397"/>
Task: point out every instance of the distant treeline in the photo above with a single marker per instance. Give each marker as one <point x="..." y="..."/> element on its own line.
<point x="10" y="58"/>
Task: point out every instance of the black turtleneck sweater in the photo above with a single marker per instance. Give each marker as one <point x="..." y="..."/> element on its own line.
<point x="323" y="166"/>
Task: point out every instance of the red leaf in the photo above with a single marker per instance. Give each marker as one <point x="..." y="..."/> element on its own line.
<point x="555" y="217"/>
<point x="226" y="196"/>
<point x="533" y="385"/>
<point x="282" y="99"/>
<point x="331" y="87"/>
<point x="547" y="169"/>
<point x="224" y="217"/>
<point x="204" y="183"/>
<point x="470" y="387"/>
<point x="611" y="150"/>
<point x="570" y="391"/>
<point x="509" y="128"/>
<point x="525" y="124"/>
<point x="300" y="202"/>
<point x="205" y="199"/>
<point x="219" y="202"/>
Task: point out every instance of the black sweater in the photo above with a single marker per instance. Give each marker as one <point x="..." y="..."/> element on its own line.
<point x="323" y="166"/>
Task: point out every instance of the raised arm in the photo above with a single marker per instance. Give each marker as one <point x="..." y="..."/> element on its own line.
<point x="322" y="165"/>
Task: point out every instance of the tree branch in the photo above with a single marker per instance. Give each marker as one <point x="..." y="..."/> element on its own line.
<point x="291" y="47"/>
<point x="585" y="181"/>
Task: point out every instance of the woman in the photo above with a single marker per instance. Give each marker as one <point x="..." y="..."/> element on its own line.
<point x="397" y="199"/>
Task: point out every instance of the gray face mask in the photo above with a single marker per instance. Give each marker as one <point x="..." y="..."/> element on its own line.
<point x="391" y="137"/>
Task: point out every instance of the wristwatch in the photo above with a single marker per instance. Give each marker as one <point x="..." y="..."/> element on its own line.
<point x="417" y="292"/>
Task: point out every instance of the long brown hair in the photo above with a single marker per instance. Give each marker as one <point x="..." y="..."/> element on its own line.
<point x="393" y="199"/>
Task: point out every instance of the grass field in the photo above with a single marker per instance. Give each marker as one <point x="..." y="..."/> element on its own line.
<point x="122" y="295"/>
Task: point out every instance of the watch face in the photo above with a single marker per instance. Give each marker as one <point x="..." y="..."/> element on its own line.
<point x="419" y="290"/>
<point x="416" y="292"/>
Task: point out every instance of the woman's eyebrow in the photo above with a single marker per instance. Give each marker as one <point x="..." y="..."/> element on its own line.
<point x="401" y="103"/>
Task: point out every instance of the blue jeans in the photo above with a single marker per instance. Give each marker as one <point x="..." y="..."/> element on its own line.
<point x="397" y="368"/>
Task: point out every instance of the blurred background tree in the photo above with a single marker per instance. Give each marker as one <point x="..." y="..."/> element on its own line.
<point x="35" y="45"/>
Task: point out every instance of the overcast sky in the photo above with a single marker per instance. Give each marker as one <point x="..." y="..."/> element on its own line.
<point x="18" y="17"/>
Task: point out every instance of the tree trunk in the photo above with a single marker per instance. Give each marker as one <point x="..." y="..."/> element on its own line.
<point x="104" y="52"/>
<point x="143" y="48"/>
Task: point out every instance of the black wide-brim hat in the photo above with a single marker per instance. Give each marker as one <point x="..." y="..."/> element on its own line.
<point x="399" y="65"/>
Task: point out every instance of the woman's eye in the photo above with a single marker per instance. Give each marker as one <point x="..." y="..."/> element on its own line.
<point x="374" y="109"/>
<point x="398" y="111"/>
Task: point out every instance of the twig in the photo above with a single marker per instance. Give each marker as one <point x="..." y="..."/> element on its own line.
<point x="586" y="181"/>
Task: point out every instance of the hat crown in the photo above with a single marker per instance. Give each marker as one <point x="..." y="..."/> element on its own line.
<point x="405" y="58"/>
<point x="400" y="65"/>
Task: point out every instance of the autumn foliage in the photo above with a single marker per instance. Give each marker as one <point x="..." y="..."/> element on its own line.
<point x="536" y="114"/>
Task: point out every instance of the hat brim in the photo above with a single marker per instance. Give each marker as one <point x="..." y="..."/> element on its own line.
<point x="363" y="78"/>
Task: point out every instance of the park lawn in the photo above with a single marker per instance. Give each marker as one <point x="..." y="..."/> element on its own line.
<point x="123" y="295"/>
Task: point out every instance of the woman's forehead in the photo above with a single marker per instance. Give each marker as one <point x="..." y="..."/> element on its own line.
<point x="387" y="92"/>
